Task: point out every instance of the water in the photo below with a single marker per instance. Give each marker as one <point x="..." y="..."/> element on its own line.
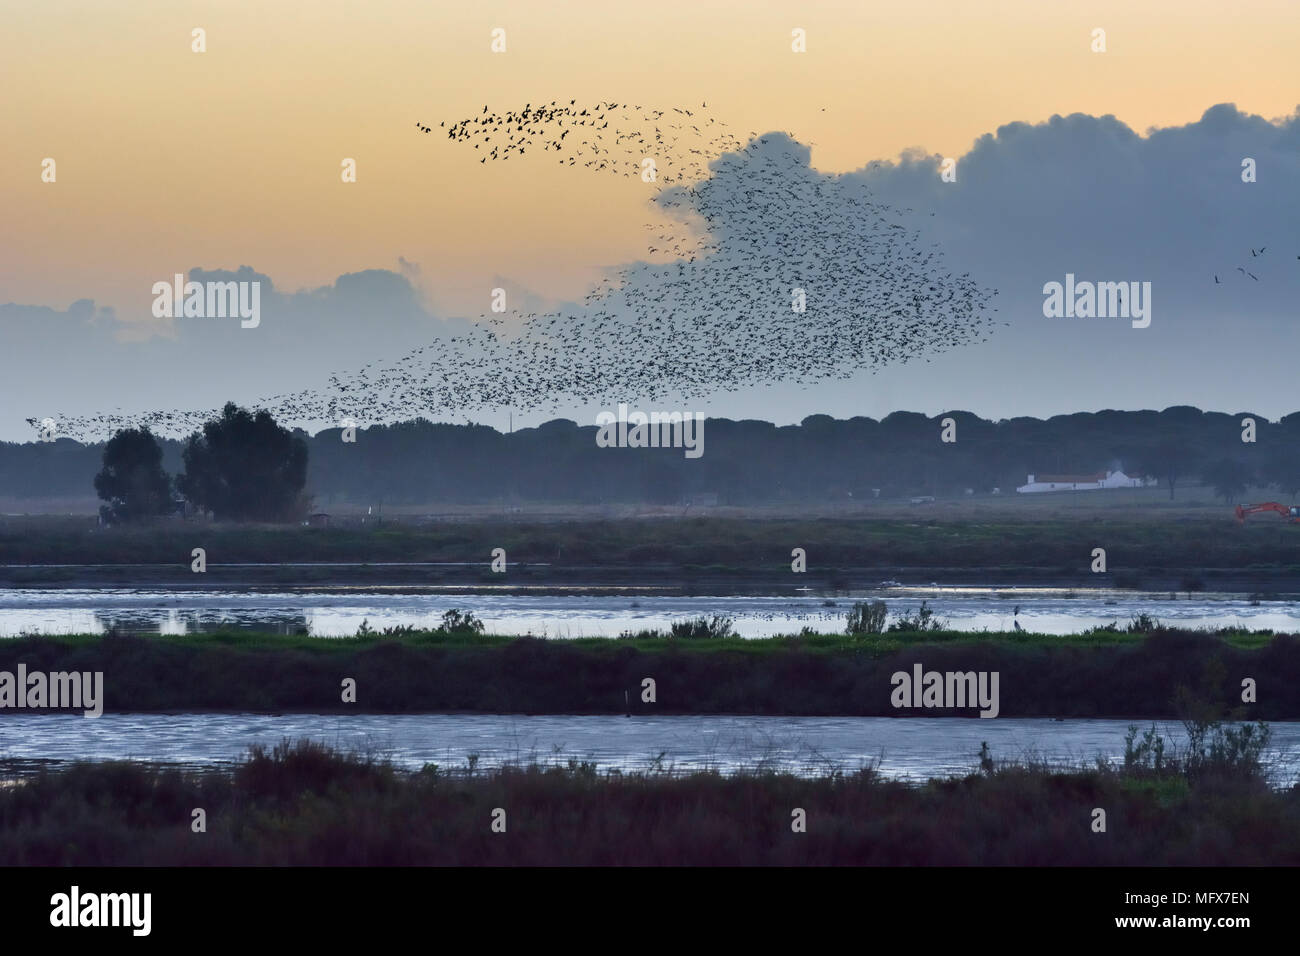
<point x="913" y="748"/>
<point x="333" y="612"/>
<point x="910" y="748"/>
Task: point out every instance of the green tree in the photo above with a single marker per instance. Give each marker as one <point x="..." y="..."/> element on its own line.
<point x="132" y="479"/>
<point x="243" y="466"/>
<point x="1169" y="460"/>
<point x="1228" y="477"/>
<point x="1283" y="472"/>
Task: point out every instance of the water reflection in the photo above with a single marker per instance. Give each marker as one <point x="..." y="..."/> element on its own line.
<point x="911" y="748"/>
<point x="201" y="621"/>
<point x="338" y="612"/>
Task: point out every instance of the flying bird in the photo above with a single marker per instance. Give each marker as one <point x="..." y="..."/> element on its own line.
<point x="759" y="270"/>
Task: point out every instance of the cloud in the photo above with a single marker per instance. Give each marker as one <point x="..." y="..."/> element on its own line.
<point x="411" y="270"/>
<point x="65" y="362"/>
<point x="1090" y="196"/>
<point x="1077" y="194"/>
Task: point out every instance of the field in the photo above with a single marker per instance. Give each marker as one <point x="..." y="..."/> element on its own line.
<point x="1182" y="549"/>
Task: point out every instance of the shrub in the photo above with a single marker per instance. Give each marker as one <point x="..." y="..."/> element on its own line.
<point x="866" y="618"/>
<point x="456" y="621"/>
<point x="923" y="621"/>
<point x="1213" y="750"/>
<point x="1143" y="624"/>
<point x="705" y="627"/>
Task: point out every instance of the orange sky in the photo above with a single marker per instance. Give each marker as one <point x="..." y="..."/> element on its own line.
<point x="169" y="160"/>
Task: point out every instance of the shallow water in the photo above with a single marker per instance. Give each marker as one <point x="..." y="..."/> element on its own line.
<point x="910" y="748"/>
<point x="339" y="611"/>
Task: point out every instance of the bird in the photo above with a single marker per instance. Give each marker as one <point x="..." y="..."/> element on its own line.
<point x="707" y="311"/>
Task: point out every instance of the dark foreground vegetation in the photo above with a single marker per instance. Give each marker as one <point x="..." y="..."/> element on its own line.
<point x="1143" y="670"/>
<point x="302" y="804"/>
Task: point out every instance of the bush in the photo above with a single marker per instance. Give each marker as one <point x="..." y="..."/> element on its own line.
<point x="923" y="621"/>
<point x="1144" y="624"/>
<point x="1213" y="750"/>
<point x="643" y="634"/>
<point x="705" y="627"/>
<point x="456" y="621"/>
<point x="397" y="630"/>
<point x="1226" y="752"/>
<point x="293" y="767"/>
<point x="866" y="618"/>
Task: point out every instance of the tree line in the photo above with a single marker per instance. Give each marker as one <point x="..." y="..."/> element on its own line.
<point x="246" y="465"/>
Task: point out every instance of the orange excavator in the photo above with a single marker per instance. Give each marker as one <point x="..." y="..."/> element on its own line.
<point x="1286" y="511"/>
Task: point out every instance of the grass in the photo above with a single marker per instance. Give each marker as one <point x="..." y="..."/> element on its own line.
<point x="1034" y="540"/>
<point x="654" y="641"/>
<point x="1101" y="674"/>
<point x="304" y="804"/>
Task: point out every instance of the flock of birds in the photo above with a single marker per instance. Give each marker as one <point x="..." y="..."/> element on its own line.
<point x="778" y="273"/>
<point x="1254" y="254"/>
<point x="680" y="141"/>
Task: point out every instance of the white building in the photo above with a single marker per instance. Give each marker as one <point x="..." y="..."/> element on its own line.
<point x="1097" y="482"/>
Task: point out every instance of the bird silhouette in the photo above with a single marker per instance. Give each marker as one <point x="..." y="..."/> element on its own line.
<point x="759" y="270"/>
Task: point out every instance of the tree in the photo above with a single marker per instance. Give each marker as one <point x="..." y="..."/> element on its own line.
<point x="1283" y="472"/>
<point x="661" y="481"/>
<point x="132" y="479"/>
<point x="1169" y="460"/>
<point x="1228" y="478"/>
<point x="245" y="467"/>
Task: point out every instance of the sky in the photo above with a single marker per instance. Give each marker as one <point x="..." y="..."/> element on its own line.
<point x="1122" y="165"/>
